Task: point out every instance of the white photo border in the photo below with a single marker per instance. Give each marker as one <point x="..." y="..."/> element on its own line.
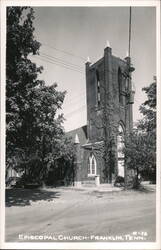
<point x="82" y="245"/>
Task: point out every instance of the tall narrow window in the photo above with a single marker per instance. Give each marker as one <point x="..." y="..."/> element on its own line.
<point x="98" y="89"/>
<point x="120" y="150"/>
<point x="91" y="165"/>
<point x="88" y="165"/>
<point x="120" y="86"/>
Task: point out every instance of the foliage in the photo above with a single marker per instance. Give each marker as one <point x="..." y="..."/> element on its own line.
<point x="139" y="151"/>
<point x="140" y="147"/>
<point x="21" y="73"/>
<point x="148" y="109"/>
<point x="35" y="138"/>
<point x="119" y="181"/>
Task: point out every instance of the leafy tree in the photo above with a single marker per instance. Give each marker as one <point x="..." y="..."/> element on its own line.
<point x="148" y="109"/>
<point x="140" y="147"/>
<point x="21" y="76"/>
<point x="61" y="162"/>
<point x="34" y="132"/>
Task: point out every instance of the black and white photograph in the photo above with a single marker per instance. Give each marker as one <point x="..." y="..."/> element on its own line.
<point x="80" y="121"/>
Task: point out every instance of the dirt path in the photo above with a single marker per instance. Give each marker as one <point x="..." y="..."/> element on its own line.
<point x="65" y="213"/>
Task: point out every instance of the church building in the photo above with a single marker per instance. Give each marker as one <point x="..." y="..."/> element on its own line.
<point x="110" y="97"/>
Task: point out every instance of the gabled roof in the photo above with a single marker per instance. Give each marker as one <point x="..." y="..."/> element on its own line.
<point x="81" y="133"/>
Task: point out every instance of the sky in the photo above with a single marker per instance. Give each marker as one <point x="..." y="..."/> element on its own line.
<point x="71" y="34"/>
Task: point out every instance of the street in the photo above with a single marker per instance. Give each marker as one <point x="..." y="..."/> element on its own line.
<point x="68" y="214"/>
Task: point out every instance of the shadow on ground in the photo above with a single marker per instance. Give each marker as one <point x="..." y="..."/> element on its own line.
<point x="24" y="197"/>
<point x="147" y="189"/>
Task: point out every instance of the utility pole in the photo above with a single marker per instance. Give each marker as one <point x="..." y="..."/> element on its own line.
<point x="129" y="32"/>
<point x="129" y="95"/>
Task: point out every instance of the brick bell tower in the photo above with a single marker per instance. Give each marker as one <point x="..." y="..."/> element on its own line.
<point x="110" y="99"/>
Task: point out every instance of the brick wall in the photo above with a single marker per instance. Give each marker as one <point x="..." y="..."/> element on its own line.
<point x="113" y="108"/>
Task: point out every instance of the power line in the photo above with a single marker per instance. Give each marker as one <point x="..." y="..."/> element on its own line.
<point x="58" y="64"/>
<point x="80" y="94"/>
<point x="61" y="63"/>
<point x="74" y="111"/>
<point x="63" y="51"/>
<point x="61" y="60"/>
<point x="77" y="101"/>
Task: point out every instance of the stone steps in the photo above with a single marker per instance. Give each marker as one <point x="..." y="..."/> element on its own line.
<point x="89" y="183"/>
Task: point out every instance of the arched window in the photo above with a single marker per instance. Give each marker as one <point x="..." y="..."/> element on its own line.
<point x="120" y="150"/>
<point x="98" y="89"/>
<point x="91" y="165"/>
<point x="120" y="87"/>
<point x="88" y="165"/>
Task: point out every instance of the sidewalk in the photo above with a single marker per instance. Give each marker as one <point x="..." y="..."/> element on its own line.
<point x="101" y="188"/>
<point x="150" y="187"/>
<point x="110" y="188"/>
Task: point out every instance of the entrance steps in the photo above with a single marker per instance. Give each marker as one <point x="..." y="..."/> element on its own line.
<point x="92" y="183"/>
<point x="108" y="187"/>
<point x="89" y="183"/>
<point x="105" y="187"/>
